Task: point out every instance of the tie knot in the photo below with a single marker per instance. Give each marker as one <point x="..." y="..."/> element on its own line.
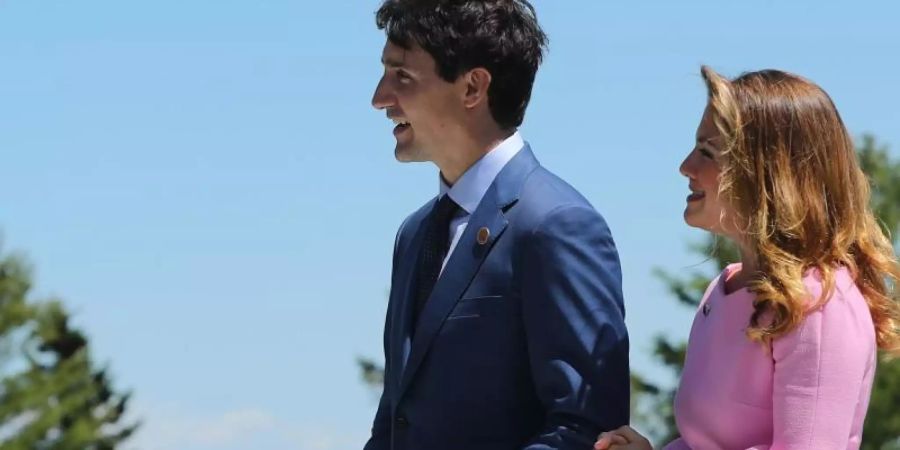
<point x="445" y="209"/>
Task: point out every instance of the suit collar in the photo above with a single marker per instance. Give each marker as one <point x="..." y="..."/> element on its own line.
<point x="510" y="180"/>
<point x="469" y="190"/>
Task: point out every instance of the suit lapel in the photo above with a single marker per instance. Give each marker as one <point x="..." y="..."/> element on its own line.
<point x="461" y="267"/>
<point x="458" y="273"/>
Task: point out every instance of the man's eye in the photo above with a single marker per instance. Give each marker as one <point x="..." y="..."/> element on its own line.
<point x="403" y="76"/>
<point x="707" y="153"/>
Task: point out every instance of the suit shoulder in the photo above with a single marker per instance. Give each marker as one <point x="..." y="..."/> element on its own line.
<point x="545" y="195"/>
<point x="415" y="217"/>
<point x="544" y="188"/>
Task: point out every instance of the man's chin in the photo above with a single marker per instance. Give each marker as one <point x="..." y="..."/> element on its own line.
<point x="402" y="157"/>
<point x="406" y="154"/>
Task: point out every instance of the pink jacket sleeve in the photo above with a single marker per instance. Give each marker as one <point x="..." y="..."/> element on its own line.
<point x="820" y="372"/>
<point x="680" y="444"/>
<point x="677" y="444"/>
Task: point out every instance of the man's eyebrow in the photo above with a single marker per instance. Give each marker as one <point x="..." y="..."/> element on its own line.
<point x="391" y="62"/>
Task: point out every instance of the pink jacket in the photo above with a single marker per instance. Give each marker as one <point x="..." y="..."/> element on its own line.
<point x="810" y="391"/>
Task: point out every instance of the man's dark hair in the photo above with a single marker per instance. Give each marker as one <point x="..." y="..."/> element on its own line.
<point x="502" y="36"/>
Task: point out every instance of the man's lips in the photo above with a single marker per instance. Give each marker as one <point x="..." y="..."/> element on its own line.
<point x="401" y="128"/>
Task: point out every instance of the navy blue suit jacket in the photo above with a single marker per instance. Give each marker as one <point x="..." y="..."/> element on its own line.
<point x="522" y="344"/>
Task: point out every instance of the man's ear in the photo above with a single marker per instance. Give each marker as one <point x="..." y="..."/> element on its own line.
<point x="477" y="82"/>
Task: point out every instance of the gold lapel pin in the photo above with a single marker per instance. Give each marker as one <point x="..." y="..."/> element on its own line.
<point x="484" y="234"/>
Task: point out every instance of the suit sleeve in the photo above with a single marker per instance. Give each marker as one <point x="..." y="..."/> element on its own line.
<point x="574" y="319"/>
<point x="381" y="426"/>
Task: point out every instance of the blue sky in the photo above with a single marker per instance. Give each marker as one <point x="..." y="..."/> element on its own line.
<point x="205" y="184"/>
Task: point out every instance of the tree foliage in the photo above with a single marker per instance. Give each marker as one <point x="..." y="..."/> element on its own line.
<point x="52" y="395"/>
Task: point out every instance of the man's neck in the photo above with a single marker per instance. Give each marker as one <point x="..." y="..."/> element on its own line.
<point x="468" y="151"/>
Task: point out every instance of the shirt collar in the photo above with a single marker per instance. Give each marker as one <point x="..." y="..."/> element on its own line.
<point x="468" y="191"/>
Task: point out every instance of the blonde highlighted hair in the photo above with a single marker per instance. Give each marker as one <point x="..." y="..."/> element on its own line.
<point x="801" y="201"/>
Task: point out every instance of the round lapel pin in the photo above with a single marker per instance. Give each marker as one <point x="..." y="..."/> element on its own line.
<point x="484" y="234"/>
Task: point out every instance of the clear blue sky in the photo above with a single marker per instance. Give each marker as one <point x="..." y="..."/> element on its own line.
<point x="207" y="187"/>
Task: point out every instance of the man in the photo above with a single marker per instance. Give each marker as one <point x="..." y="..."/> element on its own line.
<point x="505" y="326"/>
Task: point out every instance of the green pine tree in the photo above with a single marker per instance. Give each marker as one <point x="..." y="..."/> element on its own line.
<point x="52" y="395"/>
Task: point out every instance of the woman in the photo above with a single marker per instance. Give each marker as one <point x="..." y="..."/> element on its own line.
<point x="782" y="351"/>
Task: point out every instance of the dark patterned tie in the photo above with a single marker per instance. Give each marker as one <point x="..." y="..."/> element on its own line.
<point x="434" y="250"/>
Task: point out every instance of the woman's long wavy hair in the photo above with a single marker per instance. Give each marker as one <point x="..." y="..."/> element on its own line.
<point x="800" y="200"/>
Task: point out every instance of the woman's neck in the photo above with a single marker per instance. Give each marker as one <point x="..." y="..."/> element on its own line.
<point x="749" y="269"/>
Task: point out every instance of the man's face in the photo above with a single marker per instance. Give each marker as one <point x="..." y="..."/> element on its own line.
<point x="424" y="107"/>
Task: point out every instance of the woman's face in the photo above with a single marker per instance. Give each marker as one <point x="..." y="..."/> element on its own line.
<point x="702" y="168"/>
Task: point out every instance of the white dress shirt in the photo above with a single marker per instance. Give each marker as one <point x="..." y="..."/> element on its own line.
<point x="468" y="191"/>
